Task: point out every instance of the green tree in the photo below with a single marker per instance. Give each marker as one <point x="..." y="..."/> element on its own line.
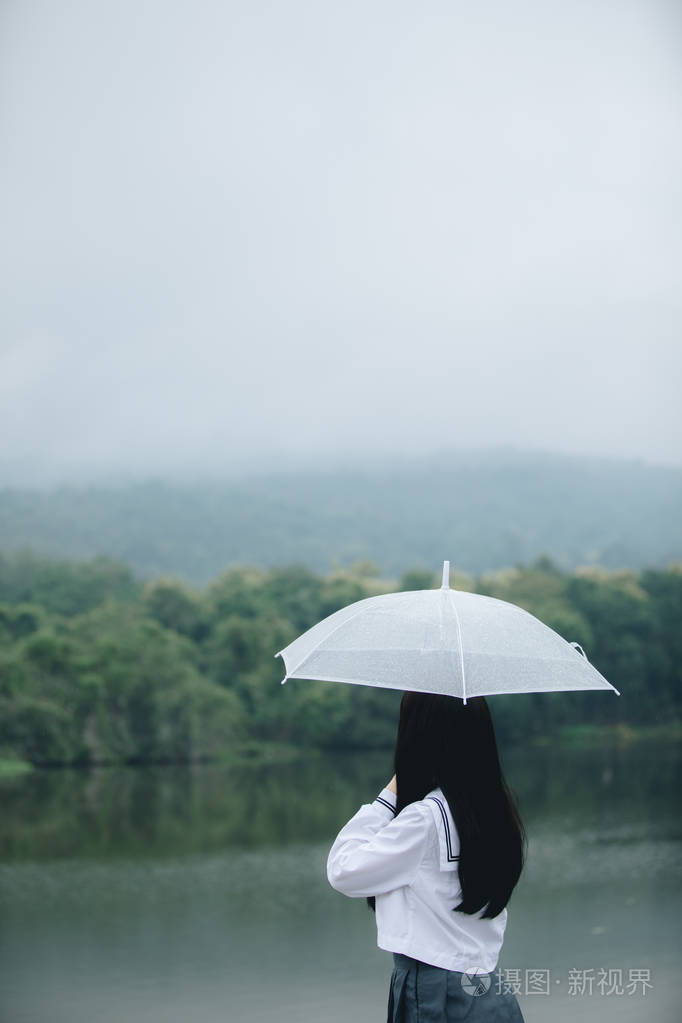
<point x="172" y="604"/>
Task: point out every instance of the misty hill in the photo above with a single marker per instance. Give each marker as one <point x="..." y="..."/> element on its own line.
<point x="483" y="511"/>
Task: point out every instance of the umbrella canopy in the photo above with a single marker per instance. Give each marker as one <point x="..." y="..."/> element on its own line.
<point x="440" y="641"/>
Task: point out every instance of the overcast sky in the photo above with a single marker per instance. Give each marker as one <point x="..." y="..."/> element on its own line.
<point x="252" y="228"/>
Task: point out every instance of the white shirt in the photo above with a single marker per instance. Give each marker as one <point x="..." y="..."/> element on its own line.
<point x="409" y="862"/>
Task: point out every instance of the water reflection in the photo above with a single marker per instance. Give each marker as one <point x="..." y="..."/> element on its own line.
<point x="161" y="811"/>
<point x="168" y="811"/>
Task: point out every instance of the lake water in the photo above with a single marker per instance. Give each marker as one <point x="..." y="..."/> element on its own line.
<point x="168" y="894"/>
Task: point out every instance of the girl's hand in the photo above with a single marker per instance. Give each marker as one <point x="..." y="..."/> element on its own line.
<point x="392" y="785"/>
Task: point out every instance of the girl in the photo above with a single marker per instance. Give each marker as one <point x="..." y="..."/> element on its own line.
<point x="438" y="854"/>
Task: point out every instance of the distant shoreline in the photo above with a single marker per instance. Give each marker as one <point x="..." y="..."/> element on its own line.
<point x="620" y="734"/>
<point x="259" y="753"/>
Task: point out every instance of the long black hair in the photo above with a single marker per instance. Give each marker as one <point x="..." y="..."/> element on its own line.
<point x="445" y="743"/>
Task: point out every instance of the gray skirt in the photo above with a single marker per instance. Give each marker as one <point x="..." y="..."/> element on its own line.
<point x="421" y="993"/>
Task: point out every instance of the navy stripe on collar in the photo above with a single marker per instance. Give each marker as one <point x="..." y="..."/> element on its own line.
<point x="448" y="838"/>
<point x="385" y="802"/>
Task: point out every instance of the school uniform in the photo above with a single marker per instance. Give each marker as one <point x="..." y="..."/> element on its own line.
<point x="445" y="962"/>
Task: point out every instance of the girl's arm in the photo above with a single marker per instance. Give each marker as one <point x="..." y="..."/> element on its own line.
<point x="377" y="851"/>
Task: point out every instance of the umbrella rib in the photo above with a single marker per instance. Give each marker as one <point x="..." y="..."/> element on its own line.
<point x="324" y="638"/>
<point x="461" y="648"/>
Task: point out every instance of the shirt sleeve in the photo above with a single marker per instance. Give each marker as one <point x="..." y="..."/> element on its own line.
<point x="377" y="851"/>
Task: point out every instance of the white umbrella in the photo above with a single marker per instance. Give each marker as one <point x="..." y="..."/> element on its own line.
<point x="440" y="641"/>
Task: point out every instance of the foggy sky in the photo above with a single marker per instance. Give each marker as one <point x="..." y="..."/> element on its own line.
<point x="291" y="228"/>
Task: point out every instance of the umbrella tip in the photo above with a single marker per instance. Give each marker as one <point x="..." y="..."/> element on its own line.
<point x="446" y="576"/>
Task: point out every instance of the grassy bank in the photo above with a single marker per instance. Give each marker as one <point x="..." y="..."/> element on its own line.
<point x="11" y="767"/>
<point x="621" y="734"/>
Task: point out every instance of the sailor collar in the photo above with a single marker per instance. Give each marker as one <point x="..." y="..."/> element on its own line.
<point x="448" y="840"/>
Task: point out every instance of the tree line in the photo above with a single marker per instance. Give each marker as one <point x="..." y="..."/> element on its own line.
<point x="97" y="666"/>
